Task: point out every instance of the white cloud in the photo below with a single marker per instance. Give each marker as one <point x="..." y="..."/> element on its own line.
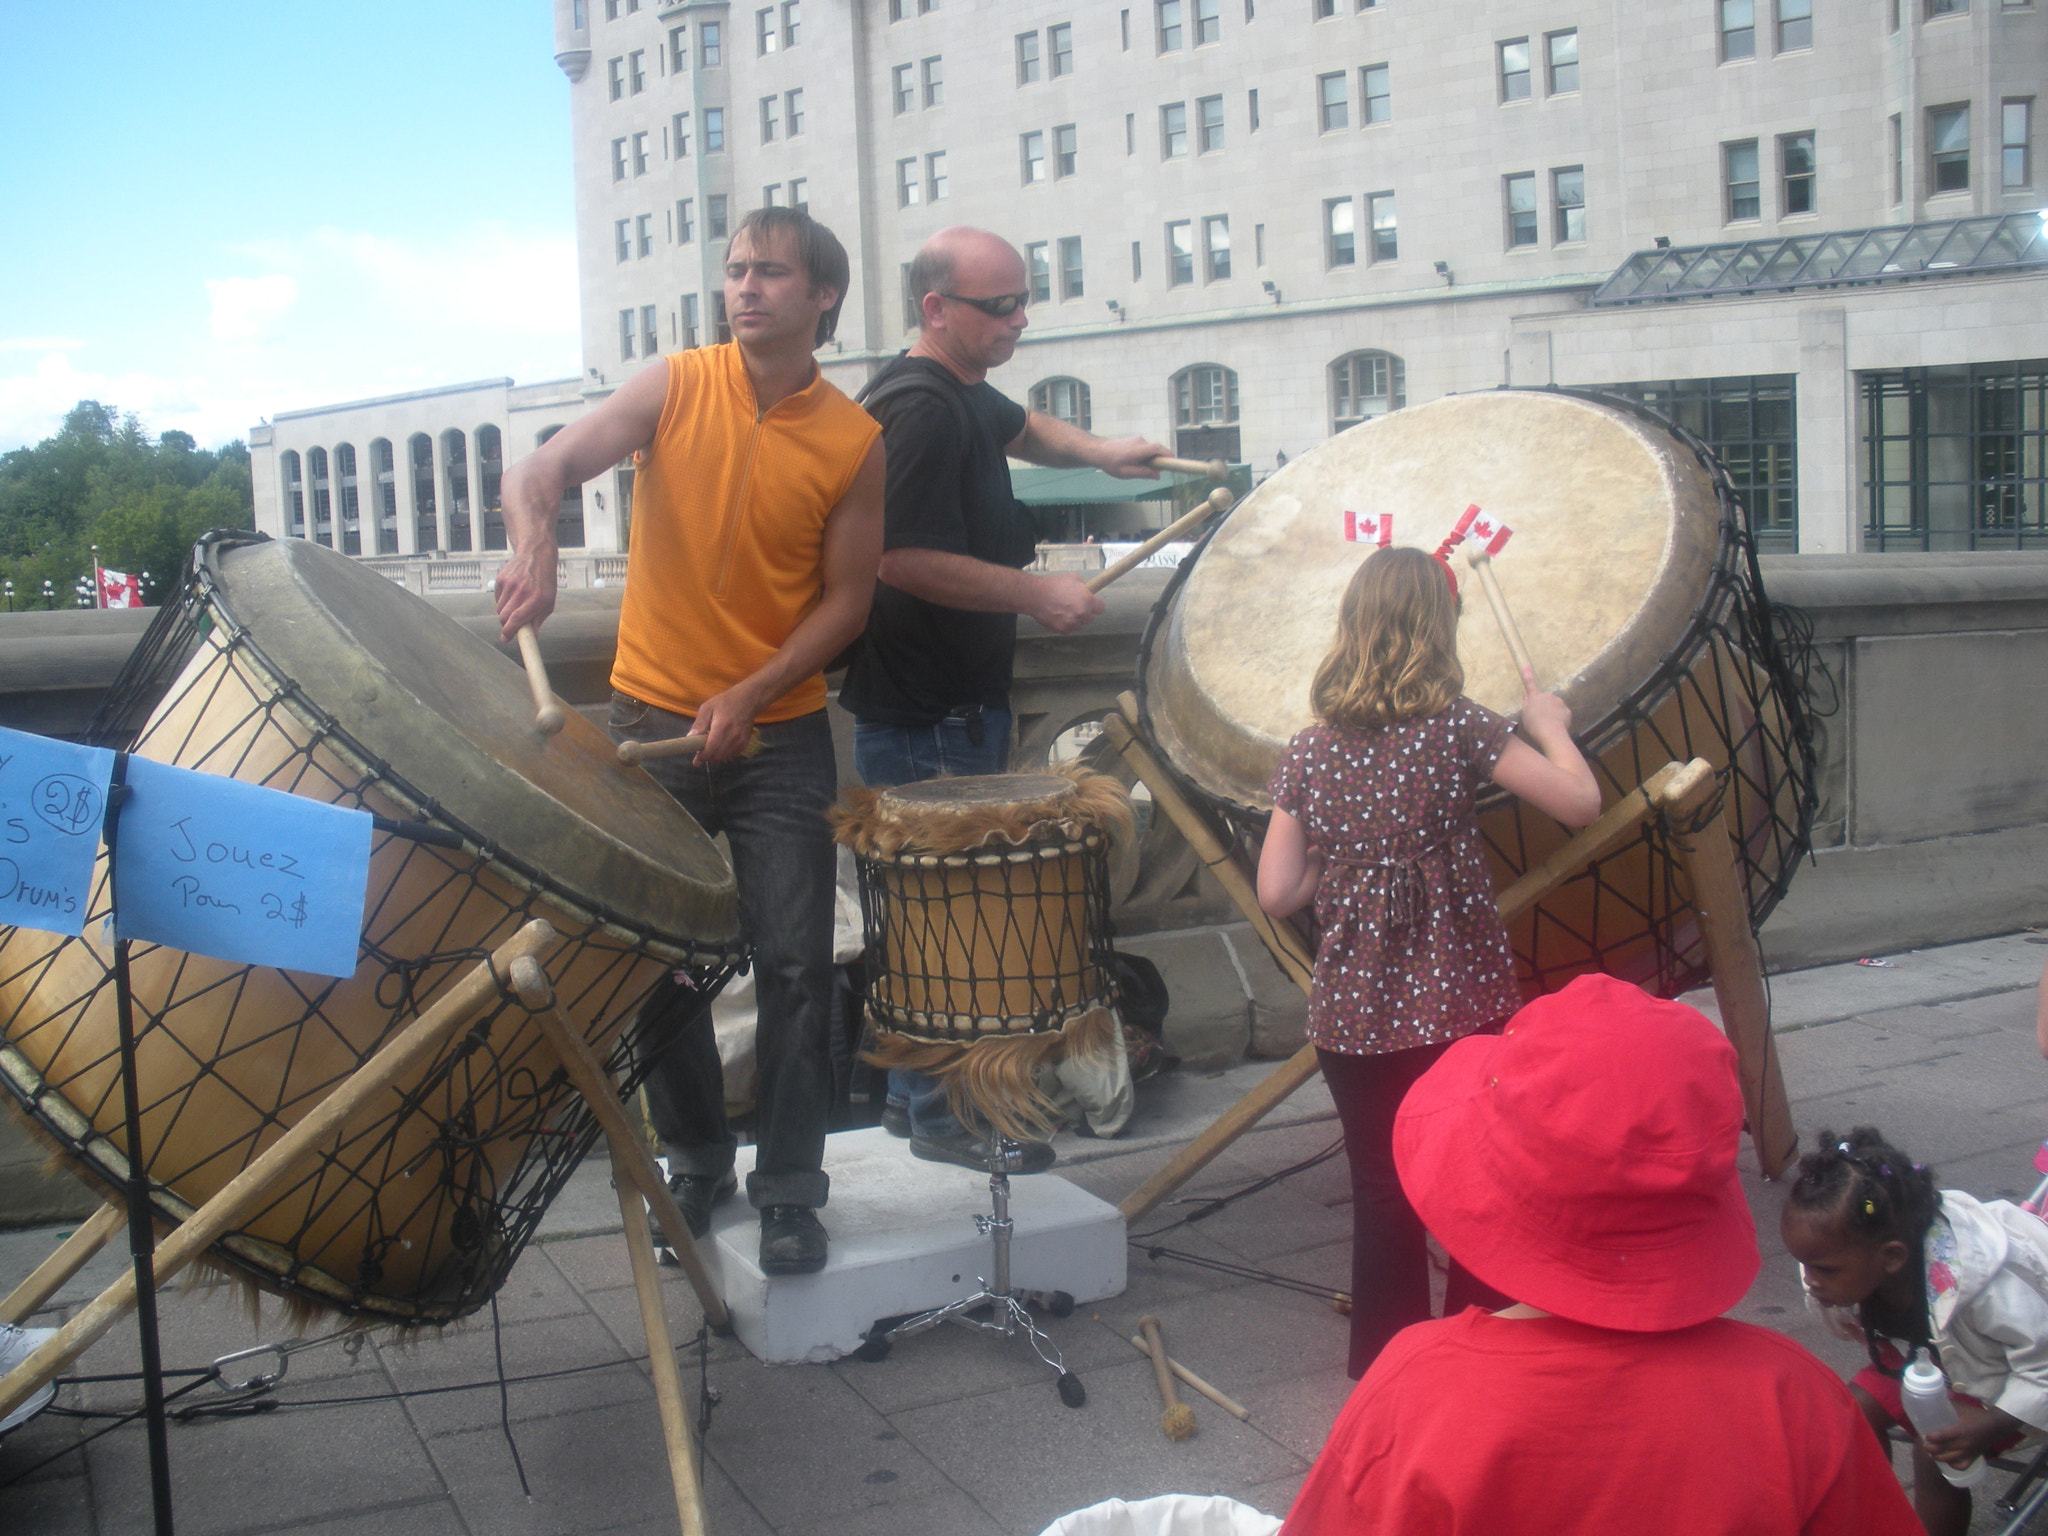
<point x="249" y="308"/>
<point x="33" y="404"/>
<point x="40" y="343"/>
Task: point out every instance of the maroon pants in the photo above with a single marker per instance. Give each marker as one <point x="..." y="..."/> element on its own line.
<point x="1389" y="1257"/>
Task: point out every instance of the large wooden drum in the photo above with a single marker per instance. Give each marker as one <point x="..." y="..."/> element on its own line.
<point x="289" y="665"/>
<point x="1634" y="580"/>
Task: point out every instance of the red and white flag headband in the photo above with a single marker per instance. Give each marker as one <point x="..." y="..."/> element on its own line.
<point x="1369" y="528"/>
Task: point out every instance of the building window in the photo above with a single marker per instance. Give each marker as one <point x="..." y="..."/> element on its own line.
<point x="615" y="74"/>
<point x="568" y="517"/>
<point x="1205" y="412"/>
<point x="1209" y="124"/>
<point x="1740" y="173"/>
<point x="636" y="71"/>
<point x="650" y="330"/>
<point x="1031" y="150"/>
<point x="1956" y="458"/>
<point x="767" y="36"/>
<point x="688" y="338"/>
<point x="1027" y="58"/>
<point x="1259" y="244"/>
<point x="902" y="89"/>
<point x="679" y="130"/>
<point x="1947" y="7"/>
<point x="1364" y="385"/>
<point x="933" y="71"/>
<point x="1130" y="133"/>
<point x="714" y="215"/>
<point x="1795" y="24"/>
<point x="792" y="21"/>
<point x="710" y="44"/>
<point x="1738" y="29"/>
<point x="909" y="190"/>
<point x="1568" y="201"/>
<point x="1561" y="60"/>
<point x="1514" y="69"/>
<point x="294" y="493"/>
<point x="935" y="175"/>
<point x="793" y="111"/>
<point x="678" y="50"/>
<point x="721" y="327"/>
<point x="1059" y="42"/>
<point x="1520" y="194"/>
<point x="626" y="333"/>
<point x="1038" y="271"/>
<point x="1333" y="107"/>
<point x="384" y="467"/>
<point x="1173" y="130"/>
<point x="1795" y="166"/>
<point x="1124" y="26"/>
<point x="640" y="154"/>
<point x="1948" y="147"/>
<point x="1375" y="94"/>
<point x="490" y="477"/>
<point x="714" y="130"/>
<point x="622" y="239"/>
<point x="643" y="235"/>
<point x="800" y="193"/>
<point x="1137" y="260"/>
<point x="1340" y="243"/>
<point x="2015" y="143"/>
<point x="1167" y="24"/>
<point x="1064" y="150"/>
<point x="1749" y="423"/>
<point x="770" y="116"/>
<point x="1208" y="21"/>
<point x="1251" y="106"/>
<point x="618" y="159"/>
<point x="1898" y="159"/>
<point x="771" y="195"/>
<point x="1379" y="220"/>
<point x="1216" y="246"/>
<point x="1180" y="253"/>
<point x="1323" y="10"/>
<point x="426" y="526"/>
<point x="1063" y="400"/>
<point x="1070" y="267"/>
<point x="611" y="10"/>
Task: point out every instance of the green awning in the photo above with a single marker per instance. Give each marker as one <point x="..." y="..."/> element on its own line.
<point x="1039" y="487"/>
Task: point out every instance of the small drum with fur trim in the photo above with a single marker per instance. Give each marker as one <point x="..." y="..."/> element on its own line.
<point x="986" y="907"/>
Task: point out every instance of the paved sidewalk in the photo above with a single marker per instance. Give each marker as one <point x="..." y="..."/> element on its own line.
<point x="952" y="1435"/>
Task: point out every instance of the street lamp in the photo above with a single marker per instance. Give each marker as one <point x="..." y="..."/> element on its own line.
<point x="9" y="586"/>
<point x="49" y="594"/>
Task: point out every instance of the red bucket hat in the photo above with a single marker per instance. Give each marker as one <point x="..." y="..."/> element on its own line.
<point x="1583" y="1160"/>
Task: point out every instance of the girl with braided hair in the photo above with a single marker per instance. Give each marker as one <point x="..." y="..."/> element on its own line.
<point x="1890" y="1259"/>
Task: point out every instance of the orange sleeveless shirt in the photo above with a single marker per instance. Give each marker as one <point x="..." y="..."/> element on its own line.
<point x="727" y="546"/>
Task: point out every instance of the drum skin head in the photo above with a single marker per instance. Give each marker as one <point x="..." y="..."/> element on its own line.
<point x="454" y="718"/>
<point x="1616" y="529"/>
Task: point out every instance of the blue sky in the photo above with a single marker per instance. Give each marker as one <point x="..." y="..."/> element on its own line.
<point x="212" y="212"/>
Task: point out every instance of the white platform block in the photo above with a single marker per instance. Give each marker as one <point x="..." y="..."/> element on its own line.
<point x="904" y="1240"/>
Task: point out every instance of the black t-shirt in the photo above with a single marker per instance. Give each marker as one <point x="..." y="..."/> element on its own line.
<point x="920" y="661"/>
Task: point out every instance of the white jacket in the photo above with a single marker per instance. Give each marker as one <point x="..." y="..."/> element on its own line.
<point x="1987" y="1296"/>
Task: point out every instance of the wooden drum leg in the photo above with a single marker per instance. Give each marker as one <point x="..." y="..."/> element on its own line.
<point x="60" y="1266"/>
<point x="414" y="1045"/>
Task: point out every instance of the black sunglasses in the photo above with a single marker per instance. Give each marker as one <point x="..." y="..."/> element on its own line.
<point x="1001" y="307"/>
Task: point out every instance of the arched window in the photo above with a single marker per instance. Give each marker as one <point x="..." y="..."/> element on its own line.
<point x="385" y="472"/>
<point x="323" y="498"/>
<point x="490" y="471"/>
<point x="1062" y="399"/>
<point x="455" y="459"/>
<point x="351" y="501"/>
<point x="569" y="519"/>
<point x="1205" y="413"/>
<point x="419" y="449"/>
<point x="1364" y="385"/>
<point x="294" y="494"/>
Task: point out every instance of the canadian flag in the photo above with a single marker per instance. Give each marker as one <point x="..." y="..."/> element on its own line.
<point x="1369" y="528"/>
<point x="1484" y="529"/>
<point x="118" y="589"/>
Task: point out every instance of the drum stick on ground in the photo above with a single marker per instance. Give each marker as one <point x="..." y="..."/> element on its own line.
<point x="1215" y="469"/>
<point x="1178" y="1421"/>
<point x="1218" y="500"/>
<point x="1482" y="567"/>
<point x="631" y="752"/>
<point x="547" y="714"/>
<point x="1228" y="1405"/>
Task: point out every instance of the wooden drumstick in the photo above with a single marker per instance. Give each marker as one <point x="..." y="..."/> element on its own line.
<point x="1218" y="500"/>
<point x="1215" y="469"/>
<point x="1227" y="1404"/>
<point x="634" y="752"/>
<point x="1482" y="567"/>
<point x="1178" y="1420"/>
<point x="547" y="714"/>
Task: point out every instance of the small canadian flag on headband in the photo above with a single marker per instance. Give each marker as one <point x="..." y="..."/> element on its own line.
<point x="1369" y="528"/>
<point x="1484" y="529"/>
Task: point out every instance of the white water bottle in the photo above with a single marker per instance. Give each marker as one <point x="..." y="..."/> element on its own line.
<point x="1925" y="1391"/>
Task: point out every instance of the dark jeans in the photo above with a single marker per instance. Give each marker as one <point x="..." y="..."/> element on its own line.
<point x="771" y="808"/>
<point x="1389" y="1255"/>
<point x="886" y="755"/>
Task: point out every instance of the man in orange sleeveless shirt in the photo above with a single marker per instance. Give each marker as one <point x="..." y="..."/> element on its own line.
<point x="757" y="526"/>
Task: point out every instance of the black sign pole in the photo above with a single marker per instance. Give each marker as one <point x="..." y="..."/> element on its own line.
<point x="141" y="1230"/>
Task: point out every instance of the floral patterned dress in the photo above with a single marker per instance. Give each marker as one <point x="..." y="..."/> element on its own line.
<point x="1413" y="951"/>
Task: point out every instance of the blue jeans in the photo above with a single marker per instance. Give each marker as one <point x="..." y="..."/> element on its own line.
<point x="772" y="809"/>
<point x="885" y="755"/>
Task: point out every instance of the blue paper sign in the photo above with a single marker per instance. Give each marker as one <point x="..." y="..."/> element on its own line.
<point x="217" y="867"/>
<point x="53" y="796"/>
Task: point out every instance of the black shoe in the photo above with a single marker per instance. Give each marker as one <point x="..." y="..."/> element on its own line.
<point x="972" y="1151"/>
<point x="896" y="1119"/>
<point x="696" y="1194"/>
<point x="793" y="1240"/>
